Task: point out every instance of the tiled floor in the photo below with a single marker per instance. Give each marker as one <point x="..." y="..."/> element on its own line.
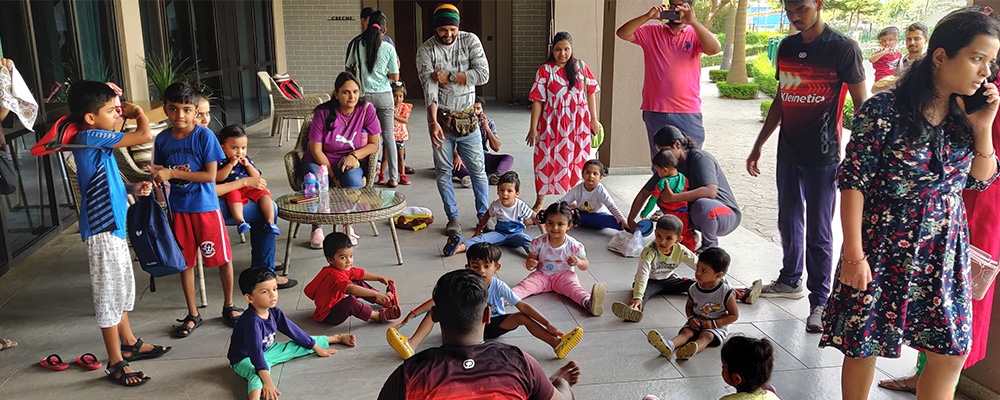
<point x="45" y="305"/>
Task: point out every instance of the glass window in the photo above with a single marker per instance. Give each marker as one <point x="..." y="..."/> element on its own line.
<point x="98" y="41"/>
<point x="56" y="47"/>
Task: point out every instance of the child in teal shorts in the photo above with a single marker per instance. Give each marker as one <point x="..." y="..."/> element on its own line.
<point x="252" y="350"/>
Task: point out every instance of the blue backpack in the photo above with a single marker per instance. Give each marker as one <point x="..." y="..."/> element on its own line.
<point x="153" y="240"/>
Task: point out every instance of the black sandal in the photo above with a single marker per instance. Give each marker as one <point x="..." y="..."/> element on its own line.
<point x="227" y="314"/>
<point x="183" y="330"/>
<point x="137" y="353"/>
<point x="123" y="379"/>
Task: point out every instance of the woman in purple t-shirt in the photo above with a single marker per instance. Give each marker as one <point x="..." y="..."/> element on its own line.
<point x="344" y="131"/>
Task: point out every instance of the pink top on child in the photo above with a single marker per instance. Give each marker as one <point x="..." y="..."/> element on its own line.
<point x="672" y="81"/>
<point x="886" y="65"/>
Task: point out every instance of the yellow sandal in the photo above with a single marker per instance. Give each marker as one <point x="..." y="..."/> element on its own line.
<point x="399" y="343"/>
<point x="568" y="342"/>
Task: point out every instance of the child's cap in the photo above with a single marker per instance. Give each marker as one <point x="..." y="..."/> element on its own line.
<point x="483" y="251"/>
<point x="716" y="258"/>
<point x="250" y="277"/>
<point x="670" y="223"/>
<point x="334" y="242"/>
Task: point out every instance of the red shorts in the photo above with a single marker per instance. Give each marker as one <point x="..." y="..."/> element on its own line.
<point x="245" y="194"/>
<point x="205" y="232"/>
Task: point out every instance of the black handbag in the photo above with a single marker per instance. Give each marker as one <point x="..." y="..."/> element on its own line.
<point x="8" y="175"/>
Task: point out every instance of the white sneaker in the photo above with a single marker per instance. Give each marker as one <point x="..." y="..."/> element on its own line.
<point x="467" y="181"/>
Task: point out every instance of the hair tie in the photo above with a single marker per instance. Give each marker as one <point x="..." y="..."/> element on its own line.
<point x="377" y="27"/>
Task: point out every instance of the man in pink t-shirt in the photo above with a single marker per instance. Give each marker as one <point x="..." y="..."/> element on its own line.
<point x="672" y="52"/>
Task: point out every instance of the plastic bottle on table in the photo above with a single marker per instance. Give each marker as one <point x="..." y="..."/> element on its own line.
<point x="323" y="179"/>
<point x="309" y="185"/>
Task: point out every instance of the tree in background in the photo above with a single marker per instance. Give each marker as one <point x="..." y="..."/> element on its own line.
<point x="715" y="7"/>
<point x="727" y="48"/>
<point x="739" y="74"/>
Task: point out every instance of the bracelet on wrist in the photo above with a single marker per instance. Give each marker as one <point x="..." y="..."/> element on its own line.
<point x="853" y="262"/>
<point x="134" y="109"/>
<point x="978" y="154"/>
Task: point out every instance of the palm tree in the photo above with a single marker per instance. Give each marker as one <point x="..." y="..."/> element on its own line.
<point x="739" y="73"/>
<point x="727" y="49"/>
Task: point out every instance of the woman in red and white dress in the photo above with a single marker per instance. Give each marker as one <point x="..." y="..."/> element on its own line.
<point x="563" y="115"/>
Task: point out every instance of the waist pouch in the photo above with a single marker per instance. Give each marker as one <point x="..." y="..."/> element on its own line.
<point x="459" y="123"/>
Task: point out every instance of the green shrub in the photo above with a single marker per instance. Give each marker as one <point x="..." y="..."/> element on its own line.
<point x="737" y="90"/>
<point x="762" y="71"/>
<point x="848" y="113"/>
<point x="752" y="50"/>
<point x="765" y="106"/>
<point x="711" y="61"/>
<point x="718" y="75"/>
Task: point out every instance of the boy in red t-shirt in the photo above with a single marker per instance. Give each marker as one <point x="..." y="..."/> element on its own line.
<point x="885" y="60"/>
<point x="337" y="287"/>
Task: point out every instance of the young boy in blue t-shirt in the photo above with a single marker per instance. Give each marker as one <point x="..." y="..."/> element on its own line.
<point x="187" y="156"/>
<point x="103" y="208"/>
<point x="252" y="349"/>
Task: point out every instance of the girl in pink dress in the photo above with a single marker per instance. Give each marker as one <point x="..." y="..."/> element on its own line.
<point x="563" y="115"/>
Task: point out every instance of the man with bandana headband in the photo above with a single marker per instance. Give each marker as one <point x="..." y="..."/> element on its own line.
<point x="450" y="66"/>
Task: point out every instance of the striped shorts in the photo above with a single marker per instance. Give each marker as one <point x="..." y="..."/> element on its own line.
<point x="111" y="277"/>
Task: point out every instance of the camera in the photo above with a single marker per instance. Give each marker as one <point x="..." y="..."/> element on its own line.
<point x="670" y="15"/>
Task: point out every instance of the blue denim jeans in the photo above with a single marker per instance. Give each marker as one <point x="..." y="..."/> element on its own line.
<point x="261" y="238"/>
<point x="350" y="179"/>
<point x="519" y="239"/>
<point x="689" y="124"/>
<point x="599" y="220"/>
<point x="470" y="148"/>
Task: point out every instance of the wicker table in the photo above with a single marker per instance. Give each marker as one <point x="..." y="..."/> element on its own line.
<point x="341" y="207"/>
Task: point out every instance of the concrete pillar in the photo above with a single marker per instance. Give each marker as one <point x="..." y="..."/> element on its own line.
<point x="277" y="15"/>
<point x="621" y="87"/>
<point x="132" y="49"/>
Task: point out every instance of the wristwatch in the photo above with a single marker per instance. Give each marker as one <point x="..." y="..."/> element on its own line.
<point x="452" y="77"/>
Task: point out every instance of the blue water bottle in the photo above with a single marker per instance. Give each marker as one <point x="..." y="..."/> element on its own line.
<point x="309" y="185"/>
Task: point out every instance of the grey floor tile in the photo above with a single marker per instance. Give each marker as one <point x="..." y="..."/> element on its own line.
<point x="791" y="336"/>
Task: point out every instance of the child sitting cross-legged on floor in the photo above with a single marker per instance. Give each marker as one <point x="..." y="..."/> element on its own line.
<point x="252" y="349"/>
<point x="711" y="308"/>
<point x="512" y="215"/>
<point x="655" y="274"/>
<point x="484" y="259"/>
<point x="336" y="287"/>
<point x="238" y="164"/>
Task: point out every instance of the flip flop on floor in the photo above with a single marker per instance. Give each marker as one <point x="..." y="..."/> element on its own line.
<point x="88" y="361"/>
<point x="897" y="384"/>
<point x="7" y="344"/>
<point x="53" y="362"/>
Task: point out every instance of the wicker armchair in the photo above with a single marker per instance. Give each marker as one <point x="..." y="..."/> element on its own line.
<point x="296" y="172"/>
<point x="283" y="108"/>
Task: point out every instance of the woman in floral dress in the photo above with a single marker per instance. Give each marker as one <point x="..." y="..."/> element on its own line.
<point x="563" y="115"/>
<point x="904" y="273"/>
